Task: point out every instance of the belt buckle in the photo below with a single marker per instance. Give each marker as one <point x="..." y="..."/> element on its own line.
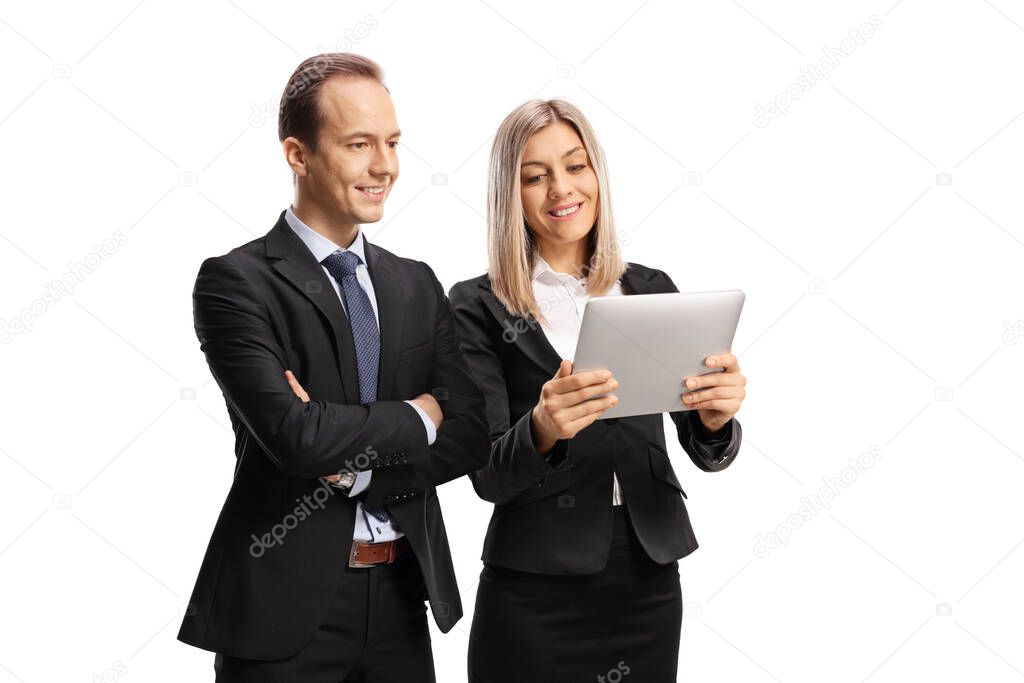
<point x="352" y="562"/>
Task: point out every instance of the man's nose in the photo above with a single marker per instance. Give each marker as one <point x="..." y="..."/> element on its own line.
<point x="383" y="162"/>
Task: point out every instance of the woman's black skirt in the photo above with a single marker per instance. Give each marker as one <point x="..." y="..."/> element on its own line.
<point x="622" y="623"/>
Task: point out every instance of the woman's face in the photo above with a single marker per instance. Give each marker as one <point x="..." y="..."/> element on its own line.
<point x="559" y="187"/>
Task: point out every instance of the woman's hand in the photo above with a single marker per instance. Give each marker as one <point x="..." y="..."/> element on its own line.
<point x="565" y="408"/>
<point x="720" y="393"/>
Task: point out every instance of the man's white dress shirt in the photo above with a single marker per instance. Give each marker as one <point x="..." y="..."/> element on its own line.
<point x="367" y="527"/>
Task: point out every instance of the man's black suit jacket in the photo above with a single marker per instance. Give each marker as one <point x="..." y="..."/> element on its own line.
<point x="553" y="515"/>
<point x="276" y="554"/>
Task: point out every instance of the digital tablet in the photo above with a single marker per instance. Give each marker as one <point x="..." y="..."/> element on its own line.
<point x="650" y="342"/>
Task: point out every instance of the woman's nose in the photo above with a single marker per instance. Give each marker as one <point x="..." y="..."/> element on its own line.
<point x="559" y="186"/>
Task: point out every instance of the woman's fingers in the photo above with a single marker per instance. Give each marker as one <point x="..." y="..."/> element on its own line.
<point x="568" y="415"/>
<point x="586" y="393"/>
<point x="566" y="385"/>
<point x="728" y="361"/>
<point x="729" y="406"/>
<point x="694" y="398"/>
<point x="582" y="423"/>
<point x="713" y="379"/>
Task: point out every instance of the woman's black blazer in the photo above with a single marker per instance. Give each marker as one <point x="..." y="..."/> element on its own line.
<point x="553" y="514"/>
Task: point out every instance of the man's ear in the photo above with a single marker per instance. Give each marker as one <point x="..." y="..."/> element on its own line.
<point x="296" y="155"/>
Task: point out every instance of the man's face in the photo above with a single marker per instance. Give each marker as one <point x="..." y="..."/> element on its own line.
<point x="356" y="161"/>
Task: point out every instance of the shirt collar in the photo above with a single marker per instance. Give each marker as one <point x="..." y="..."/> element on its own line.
<point x="320" y="245"/>
<point x="543" y="272"/>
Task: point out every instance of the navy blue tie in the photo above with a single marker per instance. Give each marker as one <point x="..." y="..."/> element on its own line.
<point x="365" y="334"/>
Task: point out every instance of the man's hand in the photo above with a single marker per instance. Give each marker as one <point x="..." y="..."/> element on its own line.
<point x="720" y="393"/>
<point x="425" y="401"/>
<point x="301" y="393"/>
<point x="430" y="406"/>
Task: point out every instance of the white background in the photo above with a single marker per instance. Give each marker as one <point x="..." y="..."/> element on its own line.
<point x="884" y="302"/>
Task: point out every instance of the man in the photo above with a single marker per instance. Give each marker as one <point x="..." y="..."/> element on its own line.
<point x="338" y="363"/>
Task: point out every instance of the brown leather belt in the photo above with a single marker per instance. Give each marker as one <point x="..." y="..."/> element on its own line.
<point x="365" y="554"/>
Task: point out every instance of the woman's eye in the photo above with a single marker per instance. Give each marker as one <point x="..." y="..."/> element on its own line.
<point x="576" y="168"/>
<point x="533" y="179"/>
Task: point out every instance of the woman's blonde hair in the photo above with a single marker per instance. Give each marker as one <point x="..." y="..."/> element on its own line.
<point x="511" y="252"/>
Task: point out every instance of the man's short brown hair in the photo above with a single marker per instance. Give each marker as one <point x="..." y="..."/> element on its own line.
<point x="300" y="115"/>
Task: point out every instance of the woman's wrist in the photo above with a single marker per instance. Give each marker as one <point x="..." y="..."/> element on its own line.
<point x="541" y="443"/>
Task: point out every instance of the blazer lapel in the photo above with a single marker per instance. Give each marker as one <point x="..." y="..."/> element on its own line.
<point x="527" y="335"/>
<point x="387" y="288"/>
<point x="296" y="264"/>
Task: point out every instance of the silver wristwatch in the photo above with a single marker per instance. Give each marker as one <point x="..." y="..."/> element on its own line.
<point x="346" y="480"/>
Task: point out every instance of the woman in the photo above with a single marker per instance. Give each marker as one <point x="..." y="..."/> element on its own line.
<point x="580" y="580"/>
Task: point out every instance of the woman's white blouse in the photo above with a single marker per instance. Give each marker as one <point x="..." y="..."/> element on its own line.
<point x="561" y="298"/>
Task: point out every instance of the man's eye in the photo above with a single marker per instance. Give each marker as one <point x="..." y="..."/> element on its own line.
<point x="357" y="145"/>
<point x="393" y="144"/>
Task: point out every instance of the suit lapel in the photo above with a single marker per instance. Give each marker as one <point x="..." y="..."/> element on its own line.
<point x="387" y="288"/>
<point x="295" y="263"/>
<point x="526" y="335"/>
